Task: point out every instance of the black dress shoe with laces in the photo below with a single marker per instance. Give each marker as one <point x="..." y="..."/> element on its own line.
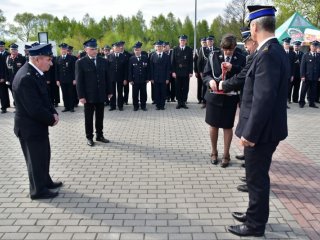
<point x="244" y="231"/>
<point x="65" y="110"/>
<point x="243" y="179"/>
<point x="184" y="106"/>
<point x="44" y="194"/>
<point x="90" y="142"/>
<point x="102" y="139"/>
<point x="243" y="188"/>
<point x="71" y="110"/>
<point x="55" y="185"/>
<point x="3" y="110"/>
<point x="178" y="106"/>
<point x="239" y="216"/>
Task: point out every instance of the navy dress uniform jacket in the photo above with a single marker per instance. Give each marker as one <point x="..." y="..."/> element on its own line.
<point x="3" y="65"/>
<point x="159" y="68"/>
<point x="182" y="61"/>
<point x="118" y="67"/>
<point x="13" y="65"/>
<point x="65" y="69"/>
<point x="93" y="82"/>
<point x="138" y="71"/>
<point x="34" y="110"/>
<point x="263" y="113"/>
<point x="238" y="61"/>
<point x="310" y="67"/>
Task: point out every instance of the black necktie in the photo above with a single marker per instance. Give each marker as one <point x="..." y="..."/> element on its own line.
<point x="227" y="59"/>
<point x="93" y="60"/>
<point x="159" y="56"/>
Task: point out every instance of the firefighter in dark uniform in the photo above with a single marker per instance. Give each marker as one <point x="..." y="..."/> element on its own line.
<point x="4" y="93"/>
<point x="93" y="86"/>
<point x="126" y="87"/>
<point x="75" y="95"/>
<point x="203" y="42"/>
<point x="262" y="119"/>
<point x="291" y="58"/>
<point x="138" y="76"/>
<point x="182" y="70"/>
<point x="65" y="77"/>
<point x="14" y="62"/>
<point x="294" y="88"/>
<point x="159" y="75"/>
<point x="106" y="54"/>
<point x="310" y="75"/>
<point x="118" y="74"/>
<point x="171" y="87"/>
<point x="34" y="114"/>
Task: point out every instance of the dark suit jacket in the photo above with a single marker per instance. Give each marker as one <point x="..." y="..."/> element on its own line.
<point x="13" y="65"/>
<point x="118" y="67"/>
<point x="3" y="65"/>
<point x="204" y="53"/>
<point x="182" y="61"/>
<point x="159" y="68"/>
<point x="93" y="82"/>
<point x="263" y="113"/>
<point x="291" y="58"/>
<point x="297" y="62"/>
<point x="34" y="111"/>
<point x="238" y="61"/>
<point x="236" y="82"/>
<point x="65" y="69"/>
<point x="310" y="67"/>
<point x="138" y="70"/>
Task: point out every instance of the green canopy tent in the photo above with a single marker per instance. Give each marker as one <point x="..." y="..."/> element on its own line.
<point x="296" y="27"/>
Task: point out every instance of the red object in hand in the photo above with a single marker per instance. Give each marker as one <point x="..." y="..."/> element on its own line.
<point x="223" y="76"/>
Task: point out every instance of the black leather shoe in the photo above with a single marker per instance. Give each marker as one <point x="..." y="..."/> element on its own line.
<point x="243" y="188"/>
<point x="241" y="217"/>
<point x="244" y="231"/>
<point x="313" y="106"/>
<point x="240" y="157"/>
<point x="45" y="194"/>
<point x="135" y="109"/>
<point x="301" y="105"/>
<point x="243" y="165"/>
<point x="65" y="110"/>
<point x="178" y="106"/>
<point x="3" y="110"/>
<point x="162" y="108"/>
<point x="102" y="139"/>
<point x="184" y="106"/>
<point x="120" y="108"/>
<point x="243" y="179"/>
<point x="112" y="109"/>
<point x="144" y="109"/>
<point x="90" y="142"/>
<point x="55" y="185"/>
<point x="157" y="108"/>
<point x="72" y="110"/>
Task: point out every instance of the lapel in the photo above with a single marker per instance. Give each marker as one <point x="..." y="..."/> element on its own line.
<point x="91" y="62"/>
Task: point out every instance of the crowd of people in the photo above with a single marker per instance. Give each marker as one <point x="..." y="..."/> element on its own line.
<point x="262" y="81"/>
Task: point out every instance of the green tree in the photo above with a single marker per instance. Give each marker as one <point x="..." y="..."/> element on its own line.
<point x="2" y="23"/>
<point x="27" y="26"/>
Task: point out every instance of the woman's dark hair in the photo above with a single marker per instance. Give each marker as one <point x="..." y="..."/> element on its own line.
<point x="228" y="41"/>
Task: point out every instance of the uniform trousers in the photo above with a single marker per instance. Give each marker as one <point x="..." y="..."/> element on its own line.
<point x="117" y="91"/>
<point x="68" y="95"/>
<point x="142" y="89"/>
<point x="182" y="89"/>
<point x="258" y="161"/>
<point x="309" y="87"/>
<point x="171" y="89"/>
<point x="89" y="110"/>
<point x="294" y="88"/>
<point x="160" y="94"/>
<point x="4" y="96"/>
<point x="37" y="155"/>
<point x="126" y="89"/>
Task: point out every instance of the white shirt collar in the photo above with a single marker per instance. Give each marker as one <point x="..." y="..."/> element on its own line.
<point x="38" y="70"/>
<point x="264" y="41"/>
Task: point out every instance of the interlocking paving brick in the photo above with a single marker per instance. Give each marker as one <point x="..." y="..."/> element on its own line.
<point x="154" y="180"/>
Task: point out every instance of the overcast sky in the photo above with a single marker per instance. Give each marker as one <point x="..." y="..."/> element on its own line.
<point x="207" y="9"/>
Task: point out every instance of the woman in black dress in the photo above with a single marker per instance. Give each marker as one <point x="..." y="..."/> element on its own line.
<point x="221" y="108"/>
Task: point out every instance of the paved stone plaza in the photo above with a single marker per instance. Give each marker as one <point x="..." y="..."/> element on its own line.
<point x="154" y="180"/>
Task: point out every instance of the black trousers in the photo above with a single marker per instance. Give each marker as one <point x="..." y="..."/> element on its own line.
<point x="89" y="109"/>
<point x="37" y="155"/>
<point x="126" y="89"/>
<point x="171" y="89"/>
<point x="54" y="93"/>
<point x="309" y="87"/>
<point x="182" y="89"/>
<point x="152" y="92"/>
<point x="68" y="95"/>
<point x="294" y="88"/>
<point x="199" y="89"/>
<point x="75" y="96"/>
<point x="258" y="161"/>
<point x="4" y="96"/>
<point x="142" y="89"/>
<point x="117" y="91"/>
<point x="160" y="90"/>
